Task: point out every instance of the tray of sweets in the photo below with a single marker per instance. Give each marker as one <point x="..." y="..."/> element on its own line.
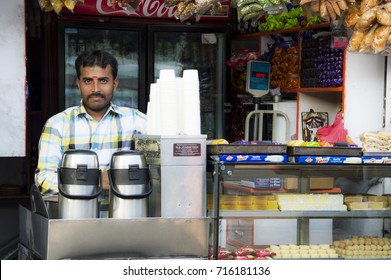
<point x="246" y="149"/>
<point x="324" y="151"/>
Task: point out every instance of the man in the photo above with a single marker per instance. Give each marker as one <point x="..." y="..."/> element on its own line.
<point x="96" y="124"/>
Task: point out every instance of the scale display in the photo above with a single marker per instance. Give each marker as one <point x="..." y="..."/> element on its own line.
<point x="258" y="77"/>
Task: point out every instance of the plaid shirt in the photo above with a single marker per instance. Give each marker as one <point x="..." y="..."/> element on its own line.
<point x="75" y="129"/>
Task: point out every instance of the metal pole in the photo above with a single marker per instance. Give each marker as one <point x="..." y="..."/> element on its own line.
<point x="216" y="209"/>
<point x="256" y="116"/>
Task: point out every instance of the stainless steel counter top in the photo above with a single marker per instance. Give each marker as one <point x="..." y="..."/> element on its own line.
<point x="113" y="238"/>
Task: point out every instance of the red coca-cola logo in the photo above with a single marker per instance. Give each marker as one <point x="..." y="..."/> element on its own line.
<point x="149" y="8"/>
<point x="146" y="9"/>
<point x="105" y="7"/>
<point x="157" y="8"/>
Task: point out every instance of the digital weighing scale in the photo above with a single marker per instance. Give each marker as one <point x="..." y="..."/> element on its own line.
<point x="257" y="84"/>
<point x="258" y="78"/>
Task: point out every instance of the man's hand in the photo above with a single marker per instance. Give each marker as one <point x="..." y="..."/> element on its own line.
<point x="105" y="180"/>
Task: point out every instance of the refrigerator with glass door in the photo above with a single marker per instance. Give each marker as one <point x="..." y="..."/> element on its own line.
<point x="142" y="50"/>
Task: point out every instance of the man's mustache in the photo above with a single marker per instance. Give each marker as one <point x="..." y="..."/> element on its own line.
<point x="97" y="95"/>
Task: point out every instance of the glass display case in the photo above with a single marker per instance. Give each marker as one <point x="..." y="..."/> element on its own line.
<point x="301" y="210"/>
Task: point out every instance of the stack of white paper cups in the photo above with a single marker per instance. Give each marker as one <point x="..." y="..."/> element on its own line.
<point x="174" y="104"/>
<point x="191" y="103"/>
<point x="168" y="102"/>
<point x="153" y="111"/>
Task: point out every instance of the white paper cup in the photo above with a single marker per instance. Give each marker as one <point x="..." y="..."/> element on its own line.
<point x="167" y="74"/>
<point x="190" y="75"/>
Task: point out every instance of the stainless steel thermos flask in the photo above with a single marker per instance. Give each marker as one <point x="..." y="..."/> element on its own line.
<point x="129" y="185"/>
<point x="79" y="185"/>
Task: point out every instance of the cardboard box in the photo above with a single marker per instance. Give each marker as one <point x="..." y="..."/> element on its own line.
<point x="290" y="183"/>
<point x="315" y="183"/>
<point x="321" y="183"/>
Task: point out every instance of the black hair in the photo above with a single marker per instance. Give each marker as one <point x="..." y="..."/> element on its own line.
<point x="96" y="58"/>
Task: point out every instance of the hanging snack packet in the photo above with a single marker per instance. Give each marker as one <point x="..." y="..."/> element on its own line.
<point x="185" y="10"/>
<point x="253" y="16"/>
<point x="365" y="46"/>
<point x="249" y="9"/>
<point x="171" y="3"/>
<point x="241" y="3"/>
<point x="366" y="19"/>
<point x="367" y="4"/>
<point x="70" y="4"/>
<point x="355" y="40"/>
<point x="45" y="5"/>
<point x="383" y="16"/>
<point x="352" y="16"/>
<point x="203" y="6"/>
<point x="380" y="38"/>
<point x="57" y="5"/>
<point x="215" y="8"/>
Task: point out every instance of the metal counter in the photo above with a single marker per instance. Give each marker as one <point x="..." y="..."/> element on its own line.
<point x="42" y="238"/>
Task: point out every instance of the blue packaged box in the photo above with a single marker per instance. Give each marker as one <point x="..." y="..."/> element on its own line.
<point x="327" y="160"/>
<point x="251" y="158"/>
<point x="376" y="160"/>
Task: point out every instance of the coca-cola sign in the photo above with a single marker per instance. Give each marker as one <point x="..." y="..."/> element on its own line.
<point x="142" y="9"/>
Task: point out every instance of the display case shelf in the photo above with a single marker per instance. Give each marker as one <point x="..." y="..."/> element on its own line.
<point x="267" y="170"/>
<point x="328" y="89"/>
<point x="271" y="214"/>
<point x="282" y="31"/>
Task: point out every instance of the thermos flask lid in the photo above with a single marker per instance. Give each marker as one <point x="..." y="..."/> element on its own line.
<point x="124" y="159"/>
<point x="75" y="158"/>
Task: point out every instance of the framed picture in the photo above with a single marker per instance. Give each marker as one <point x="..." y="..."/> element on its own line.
<point x="311" y="122"/>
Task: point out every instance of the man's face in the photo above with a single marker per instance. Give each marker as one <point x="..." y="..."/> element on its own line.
<point x="97" y="86"/>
